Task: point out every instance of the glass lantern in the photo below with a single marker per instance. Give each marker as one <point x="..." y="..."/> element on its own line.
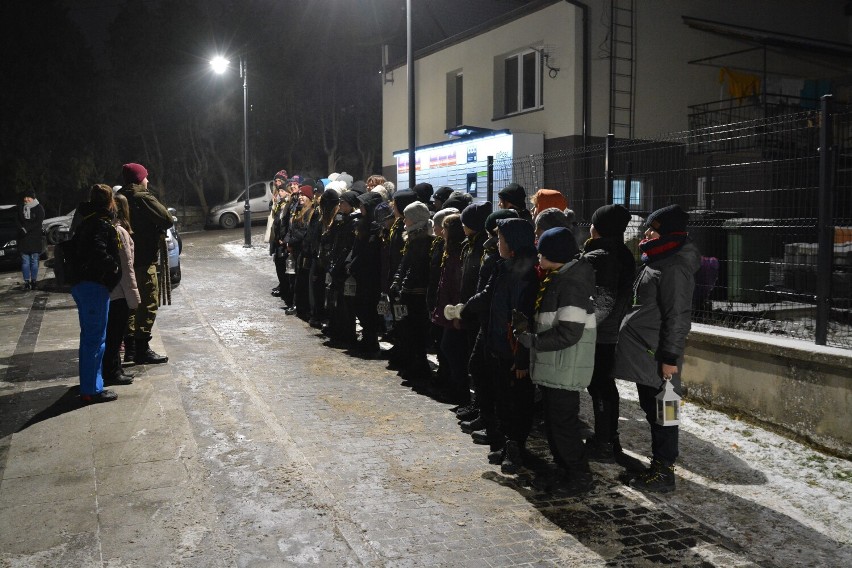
<point x="349" y="287"/>
<point x="668" y="405"/>
<point x="290" y="266"/>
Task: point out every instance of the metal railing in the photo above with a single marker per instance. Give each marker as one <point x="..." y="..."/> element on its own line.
<point x="770" y="202"/>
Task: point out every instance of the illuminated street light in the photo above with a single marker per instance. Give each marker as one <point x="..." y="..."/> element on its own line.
<point x="220" y="65"/>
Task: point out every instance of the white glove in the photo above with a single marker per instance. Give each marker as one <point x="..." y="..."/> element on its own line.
<point x="453" y="312"/>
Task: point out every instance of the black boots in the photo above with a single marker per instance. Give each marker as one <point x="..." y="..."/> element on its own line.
<point x="145" y="355"/>
<point x="659" y="478"/>
<point x="129" y="349"/>
<point x="512" y="458"/>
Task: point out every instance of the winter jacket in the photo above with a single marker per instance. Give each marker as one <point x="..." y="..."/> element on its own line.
<point x="471" y="260"/>
<point x="127" y="287"/>
<point x="563" y="351"/>
<point x="365" y="260"/>
<point x="655" y="330"/>
<point x="97" y="247"/>
<point x="344" y="239"/>
<point x="436" y="253"/>
<point x="513" y="286"/>
<point x="149" y="219"/>
<point x="30" y="217"/>
<point x="615" y="269"/>
<point x="412" y="275"/>
<point x="449" y="288"/>
<point x="395" y="244"/>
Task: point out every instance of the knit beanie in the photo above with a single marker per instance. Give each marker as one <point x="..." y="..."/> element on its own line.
<point x="547" y="198"/>
<point x="383" y="212"/>
<point x="671" y="219"/>
<point x="424" y="192"/>
<point x="458" y="199"/>
<point x="611" y="220"/>
<point x="491" y="220"/>
<point x="404" y="198"/>
<point x="474" y="215"/>
<point x="514" y="194"/>
<point x="281" y="174"/>
<point x="558" y="245"/>
<point x="296" y="178"/>
<point x="133" y="173"/>
<point x="307" y="191"/>
<point x="442" y="193"/>
<point x="370" y="200"/>
<point x="550" y="218"/>
<point x="518" y="233"/>
<point x="439" y="217"/>
<point x="382" y="191"/>
<point x="418" y="214"/>
<point x="351" y="198"/>
<point x="29" y="193"/>
<point x="329" y="199"/>
<point x="391" y="187"/>
<point x="345" y="178"/>
<point x="359" y="187"/>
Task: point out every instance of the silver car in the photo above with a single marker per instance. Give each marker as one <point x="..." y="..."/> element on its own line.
<point x="51" y="227"/>
<point x="230" y="214"/>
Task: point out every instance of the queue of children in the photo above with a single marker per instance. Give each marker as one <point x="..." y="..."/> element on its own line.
<point x="508" y="300"/>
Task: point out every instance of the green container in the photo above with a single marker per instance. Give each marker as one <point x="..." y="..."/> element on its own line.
<point x="749" y="251"/>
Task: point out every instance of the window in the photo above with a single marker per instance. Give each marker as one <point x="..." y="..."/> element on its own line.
<point x="636" y="188"/>
<point x="455" y="99"/>
<point x="521" y="82"/>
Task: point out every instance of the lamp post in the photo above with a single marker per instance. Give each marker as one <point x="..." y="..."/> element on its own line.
<point x="220" y="65"/>
<point x="409" y="56"/>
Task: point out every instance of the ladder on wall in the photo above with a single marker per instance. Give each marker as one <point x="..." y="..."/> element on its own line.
<point x="622" y="65"/>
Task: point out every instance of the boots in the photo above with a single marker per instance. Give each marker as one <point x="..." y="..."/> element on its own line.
<point x="129" y="349"/>
<point x="144" y="354"/>
<point x="512" y="459"/>
<point x="659" y="478"/>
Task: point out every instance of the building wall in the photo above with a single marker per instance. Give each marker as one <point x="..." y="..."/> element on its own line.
<point x="789" y="384"/>
<point x="665" y="83"/>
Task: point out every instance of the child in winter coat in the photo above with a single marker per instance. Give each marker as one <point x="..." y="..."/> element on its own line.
<point x="562" y="344"/>
<point x="511" y="289"/>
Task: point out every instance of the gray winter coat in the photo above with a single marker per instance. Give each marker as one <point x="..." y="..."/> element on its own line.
<point x="655" y="329"/>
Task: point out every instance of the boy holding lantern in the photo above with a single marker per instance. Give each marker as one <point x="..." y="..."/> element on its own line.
<point x="653" y="334"/>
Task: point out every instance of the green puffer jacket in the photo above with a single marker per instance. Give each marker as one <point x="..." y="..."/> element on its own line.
<point x="149" y="219"/>
<point x="563" y="352"/>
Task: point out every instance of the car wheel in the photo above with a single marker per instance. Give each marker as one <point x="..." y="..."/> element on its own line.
<point x="229" y="221"/>
<point x="53" y="235"/>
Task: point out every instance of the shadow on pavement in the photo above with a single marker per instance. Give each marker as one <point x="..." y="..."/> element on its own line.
<point x="26" y="408"/>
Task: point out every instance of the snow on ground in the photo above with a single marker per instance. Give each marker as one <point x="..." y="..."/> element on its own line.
<point x="754" y="486"/>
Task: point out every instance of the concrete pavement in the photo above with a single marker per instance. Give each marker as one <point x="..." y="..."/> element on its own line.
<point x="258" y="446"/>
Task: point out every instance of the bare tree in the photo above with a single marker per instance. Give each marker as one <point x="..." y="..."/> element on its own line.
<point x="195" y="161"/>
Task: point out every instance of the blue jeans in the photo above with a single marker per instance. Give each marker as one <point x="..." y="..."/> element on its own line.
<point x="29" y="266"/>
<point x="93" y="308"/>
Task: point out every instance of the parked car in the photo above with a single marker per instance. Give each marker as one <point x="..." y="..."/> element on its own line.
<point x="230" y="214"/>
<point x="174" y="245"/>
<point x="9" y="254"/>
<point x="51" y="226"/>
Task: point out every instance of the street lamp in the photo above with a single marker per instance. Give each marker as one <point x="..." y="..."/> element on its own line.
<point x="220" y="65"/>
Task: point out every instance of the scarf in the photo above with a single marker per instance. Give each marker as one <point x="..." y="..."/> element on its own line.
<point x="662" y="247"/>
<point x="28" y="208"/>
<point x="542" y="288"/>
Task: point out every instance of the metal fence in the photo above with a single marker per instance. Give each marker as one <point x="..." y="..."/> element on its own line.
<point x="770" y="208"/>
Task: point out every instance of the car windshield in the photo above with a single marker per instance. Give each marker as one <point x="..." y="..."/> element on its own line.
<point x="8" y="216"/>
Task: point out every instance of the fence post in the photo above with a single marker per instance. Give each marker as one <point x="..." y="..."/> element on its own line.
<point x="628" y="185"/>
<point x="489" y="184"/>
<point x="825" y="228"/>
<point x="610" y="138"/>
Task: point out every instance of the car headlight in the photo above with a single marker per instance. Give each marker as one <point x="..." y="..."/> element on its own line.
<point x="11" y="244"/>
<point x="215" y="209"/>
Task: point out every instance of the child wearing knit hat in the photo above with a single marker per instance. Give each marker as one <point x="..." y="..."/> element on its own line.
<point x="562" y="343"/>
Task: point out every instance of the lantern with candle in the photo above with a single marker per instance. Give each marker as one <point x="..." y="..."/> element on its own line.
<point x="668" y="405"/>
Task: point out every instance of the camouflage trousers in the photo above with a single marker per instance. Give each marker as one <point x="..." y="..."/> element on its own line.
<point x="141" y="320"/>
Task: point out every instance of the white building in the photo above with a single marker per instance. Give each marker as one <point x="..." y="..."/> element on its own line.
<point x="543" y="76"/>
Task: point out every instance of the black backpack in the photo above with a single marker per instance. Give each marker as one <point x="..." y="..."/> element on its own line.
<point x="66" y="263"/>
